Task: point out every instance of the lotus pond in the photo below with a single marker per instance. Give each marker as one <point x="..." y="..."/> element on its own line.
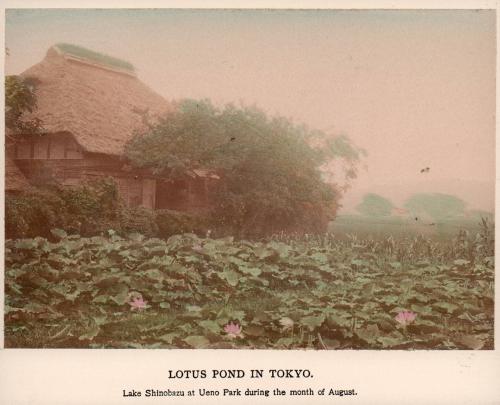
<point x="305" y="293"/>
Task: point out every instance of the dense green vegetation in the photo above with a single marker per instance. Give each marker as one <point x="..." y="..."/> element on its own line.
<point x="191" y="292"/>
<point x="20" y="98"/>
<point x="378" y="228"/>
<point x="374" y="205"/>
<point x="272" y="171"/>
<point x="90" y="209"/>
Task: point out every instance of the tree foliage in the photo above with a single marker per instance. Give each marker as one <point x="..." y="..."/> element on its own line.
<point x="271" y="168"/>
<point x="435" y="205"/>
<point x="374" y="205"/>
<point x="20" y="98"/>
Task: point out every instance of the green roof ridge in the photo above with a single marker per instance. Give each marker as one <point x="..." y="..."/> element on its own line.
<point x="93" y="56"/>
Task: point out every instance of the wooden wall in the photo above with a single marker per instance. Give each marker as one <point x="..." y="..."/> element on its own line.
<point x="149" y="193"/>
<point x="53" y="146"/>
<point x="134" y="188"/>
<point x="183" y="195"/>
<point x="58" y="157"/>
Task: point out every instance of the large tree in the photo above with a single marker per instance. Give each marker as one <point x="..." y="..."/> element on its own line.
<point x="374" y="205"/>
<point x="435" y="205"/>
<point x="272" y="177"/>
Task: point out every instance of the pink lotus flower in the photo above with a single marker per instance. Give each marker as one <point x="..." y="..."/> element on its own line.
<point x="137" y="303"/>
<point x="233" y="330"/>
<point x="405" y="317"/>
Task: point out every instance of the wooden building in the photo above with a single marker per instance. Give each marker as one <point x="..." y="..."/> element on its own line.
<point x="90" y="106"/>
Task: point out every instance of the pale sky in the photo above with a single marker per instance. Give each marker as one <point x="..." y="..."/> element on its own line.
<point x="414" y="88"/>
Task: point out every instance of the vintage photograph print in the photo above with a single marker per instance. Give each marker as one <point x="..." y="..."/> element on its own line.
<point x="249" y="179"/>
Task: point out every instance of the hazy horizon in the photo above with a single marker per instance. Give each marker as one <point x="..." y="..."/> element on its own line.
<point x="414" y="88"/>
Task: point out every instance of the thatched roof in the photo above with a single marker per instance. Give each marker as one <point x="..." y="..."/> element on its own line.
<point x="14" y="178"/>
<point x="95" y="97"/>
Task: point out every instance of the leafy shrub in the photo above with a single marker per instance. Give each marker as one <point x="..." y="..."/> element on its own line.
<point x="33" y="214"/>
<point x="87" y="209"/>
<point x="138" y="220"/>
<point x="91" y="209"/>
<point x="174" y="222"/>
<point x="20" y="98"/>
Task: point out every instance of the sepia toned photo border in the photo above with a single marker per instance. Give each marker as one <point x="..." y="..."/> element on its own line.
<point x="86" y="376"/>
